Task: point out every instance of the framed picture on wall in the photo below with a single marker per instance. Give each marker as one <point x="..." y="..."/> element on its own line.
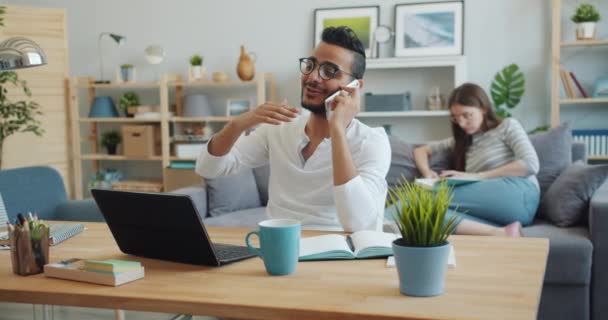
<point x="235" y="107"/>
<point x="429" y="29"/>
<point x="362" y="20"/>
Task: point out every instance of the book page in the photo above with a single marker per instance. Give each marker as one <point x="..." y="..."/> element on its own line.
<point x="426" y="183"/>
<point x="371" y="239"/>
<point x="324" y="243"/>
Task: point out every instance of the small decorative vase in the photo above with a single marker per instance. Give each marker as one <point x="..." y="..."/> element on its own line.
<point x="585" y="30"/>
<point x="246" y="67"/>
<point x="197" y="73"/>
<point x="126" y="73"/>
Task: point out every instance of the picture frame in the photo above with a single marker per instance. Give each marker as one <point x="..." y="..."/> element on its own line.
<point x="362" y="20"/>
<point x="235" y="107"/>
<point x="429" y="29"/>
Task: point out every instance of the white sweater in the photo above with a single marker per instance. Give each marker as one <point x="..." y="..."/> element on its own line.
<point x="304" y="190"/>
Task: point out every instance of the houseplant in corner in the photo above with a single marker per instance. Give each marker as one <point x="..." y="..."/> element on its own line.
<point x="421" y="254"/>
<point x="128" y="99"/>
<point x="586" y="18"/>
<point x="507" y="88"/>
<point x="110" y="141"/>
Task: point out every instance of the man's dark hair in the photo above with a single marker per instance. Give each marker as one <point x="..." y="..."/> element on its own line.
<point x="346" y="38"/>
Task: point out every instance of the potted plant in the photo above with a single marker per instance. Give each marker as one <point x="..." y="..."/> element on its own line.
<point x="421" y="254"/>
<point x="110" y="140"/>
<point x="586" y="18"/>
<point x="127" y="72"/>
<point x="196" y="67"/>
<point x="129" y="99"/>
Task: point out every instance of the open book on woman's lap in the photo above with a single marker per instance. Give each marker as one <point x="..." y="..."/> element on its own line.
<point x="433" y="183"/>
<point x="359" y="245"/>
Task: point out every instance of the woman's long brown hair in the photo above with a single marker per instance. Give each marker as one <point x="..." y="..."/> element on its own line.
<point x="469" y="95"/>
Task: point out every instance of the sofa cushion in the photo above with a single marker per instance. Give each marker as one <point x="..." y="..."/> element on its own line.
<point x="403" y="164"/>
<point x="570" y="253"/>
<point x="232" y="193"/>
<point x="566" y="201"/>
<point x="247" y="218"/>
<point x="554" y="150"/>
<point x="262" y="177"/>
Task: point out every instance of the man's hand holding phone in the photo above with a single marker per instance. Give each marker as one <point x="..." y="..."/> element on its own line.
<point x="343" y="106"/>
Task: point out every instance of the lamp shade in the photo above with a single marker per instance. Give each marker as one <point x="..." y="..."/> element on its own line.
<point x="103" y="107"/>
<point x="19" y="52"/>
<point x="197" y="105"/>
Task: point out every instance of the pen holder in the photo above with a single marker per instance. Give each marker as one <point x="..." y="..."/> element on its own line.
<point x="29" y="255"/>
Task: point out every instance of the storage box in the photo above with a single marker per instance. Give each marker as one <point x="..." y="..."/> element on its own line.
<point x="138" y="185"/>
<point x="141" y="140"/>
<point x="180" y="178"/>
<point x="387" y="102"/>
<point x="188" y="150"/>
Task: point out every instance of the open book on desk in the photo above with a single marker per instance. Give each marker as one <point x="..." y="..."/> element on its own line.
<point x="434" y="182"/>
<point x="58" y="233"/>
<point x="359" y="245"/>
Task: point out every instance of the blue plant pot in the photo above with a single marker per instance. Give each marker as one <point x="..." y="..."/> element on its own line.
<point x="127" y="74"/>
<point x="103" y="107"/>
<point x="421" y="269"/>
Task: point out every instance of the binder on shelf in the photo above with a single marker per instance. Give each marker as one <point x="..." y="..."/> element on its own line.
<point x="567" y="83"/>
<point x="596" y="141"/>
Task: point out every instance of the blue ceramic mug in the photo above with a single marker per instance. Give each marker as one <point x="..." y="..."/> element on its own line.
<point x="279" y="245"/>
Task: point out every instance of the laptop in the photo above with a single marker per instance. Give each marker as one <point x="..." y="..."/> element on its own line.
<point x="163" y="226"/>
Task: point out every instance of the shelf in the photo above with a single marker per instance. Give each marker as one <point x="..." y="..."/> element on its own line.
<point x="583" y="100"/>
<point x="174" y="158"/>
<point x="414" y="62"/>
<point x="141" y="85"/>
<point x="597" y="158"/>
<point x="211" y="84"/>
<point x="415" y="113"/>
<point x="118" y="157"/>
<point x="116" y="120"/>
<point x="585" y="43"/>
<point x="203" y="119"/>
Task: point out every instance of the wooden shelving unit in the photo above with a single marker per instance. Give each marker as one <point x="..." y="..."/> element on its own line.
<point x="558" y="104"/>
<point x="263" y="85"/>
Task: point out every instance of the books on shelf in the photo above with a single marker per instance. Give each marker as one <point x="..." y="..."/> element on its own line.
<point x="358" y="245"/>
<point x="596" y="141"/>
<point x="571" y="85"/>
<point x="433" y="183"/>
<point x="91" y="271"/>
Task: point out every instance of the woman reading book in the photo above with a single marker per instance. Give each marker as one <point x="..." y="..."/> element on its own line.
<point x="499" y="153"/>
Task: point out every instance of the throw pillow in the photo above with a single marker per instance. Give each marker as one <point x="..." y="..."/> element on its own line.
<point x="262" y="179"/>
<point x="232" y="193"/>
<point x="566" y="201"/>
<point x="554" y="150"/>
<point x="403" y="163"/>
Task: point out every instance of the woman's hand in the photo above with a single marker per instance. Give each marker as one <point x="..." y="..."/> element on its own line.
<point x="459" y="174"/>
<point x="430" y="175"/>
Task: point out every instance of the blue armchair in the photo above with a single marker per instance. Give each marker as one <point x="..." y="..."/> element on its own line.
<point x="41" y="190"/>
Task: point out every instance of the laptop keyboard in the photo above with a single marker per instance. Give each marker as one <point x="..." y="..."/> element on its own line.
<point x="229" y="252"/>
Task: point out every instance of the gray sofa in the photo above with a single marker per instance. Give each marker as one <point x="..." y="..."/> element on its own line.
<point x="575" y="279"/>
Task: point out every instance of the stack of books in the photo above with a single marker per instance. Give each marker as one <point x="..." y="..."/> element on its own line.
<point x="108" y="272"/>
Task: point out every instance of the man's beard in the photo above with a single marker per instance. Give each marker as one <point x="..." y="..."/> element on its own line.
<point x="317" y="109"/>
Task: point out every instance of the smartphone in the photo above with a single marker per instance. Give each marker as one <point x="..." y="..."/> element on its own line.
<point x="352" y="84"/>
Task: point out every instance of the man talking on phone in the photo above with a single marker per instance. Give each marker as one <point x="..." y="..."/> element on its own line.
<point x="327" y="169"/>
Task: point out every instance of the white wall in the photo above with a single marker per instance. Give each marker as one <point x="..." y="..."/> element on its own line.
<point x="497" y="33"/>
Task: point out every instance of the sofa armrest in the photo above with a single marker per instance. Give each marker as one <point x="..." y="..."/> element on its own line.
<point x="199" y="197"/>
<point x="598" y="228"/>
<point x="79" y="210"/>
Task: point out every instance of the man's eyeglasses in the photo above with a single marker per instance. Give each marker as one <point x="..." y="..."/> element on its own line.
<point x="327" y="70"/>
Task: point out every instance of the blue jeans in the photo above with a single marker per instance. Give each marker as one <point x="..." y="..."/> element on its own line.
<point x="496" y="202"/>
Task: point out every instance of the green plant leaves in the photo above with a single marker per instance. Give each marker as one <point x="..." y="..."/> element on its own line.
<point x="420" y="214"/>
<point x="586" y="13"/>
<point x="507" y="89"/>
<point x="17" y="116"/>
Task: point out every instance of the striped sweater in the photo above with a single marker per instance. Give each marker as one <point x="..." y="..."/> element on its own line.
<point x="495" y="148"/>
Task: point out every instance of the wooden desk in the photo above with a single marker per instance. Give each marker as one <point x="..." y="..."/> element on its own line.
<point x="494" y="278"/>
